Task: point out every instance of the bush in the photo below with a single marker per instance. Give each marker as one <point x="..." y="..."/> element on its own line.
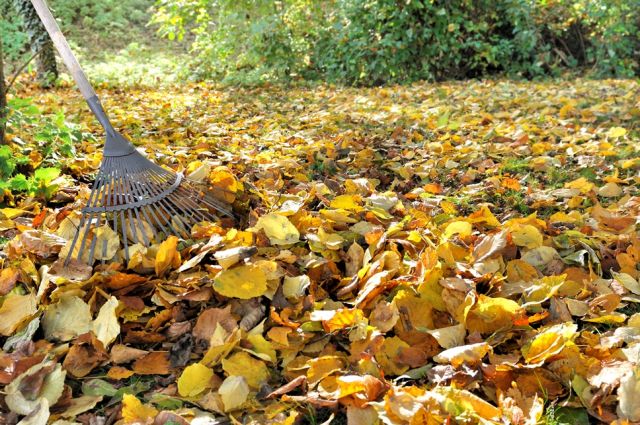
<point x="378" y="41"/>
<point x="252" y="39"/>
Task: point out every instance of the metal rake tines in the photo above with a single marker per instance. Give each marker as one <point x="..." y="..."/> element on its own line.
<point x="137" y="199"/>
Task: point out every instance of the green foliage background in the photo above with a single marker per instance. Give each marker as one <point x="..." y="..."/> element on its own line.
<point x="362" y="42"/>
<point x="379" y="41"/>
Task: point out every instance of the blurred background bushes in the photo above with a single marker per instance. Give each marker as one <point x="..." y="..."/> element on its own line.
<point x="362" y="42"/>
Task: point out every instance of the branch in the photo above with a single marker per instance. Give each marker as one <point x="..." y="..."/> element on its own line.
<point x="19" y="70"/>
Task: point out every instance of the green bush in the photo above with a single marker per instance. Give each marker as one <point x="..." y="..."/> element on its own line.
<point x="254" y="39"/>
<point x="378" y="41"/>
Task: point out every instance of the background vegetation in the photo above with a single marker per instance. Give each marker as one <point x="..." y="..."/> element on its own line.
<point x="364" y="42"/>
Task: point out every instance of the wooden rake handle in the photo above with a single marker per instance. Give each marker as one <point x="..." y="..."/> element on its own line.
<point x="63" y="48"/>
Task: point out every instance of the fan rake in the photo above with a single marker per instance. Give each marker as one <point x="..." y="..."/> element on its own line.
<point x="131" y="194"/>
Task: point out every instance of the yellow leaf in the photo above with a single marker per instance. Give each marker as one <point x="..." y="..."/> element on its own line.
<point x="461" y="228"/>
<point x="484" y="215"/>
<point x="526" y="235"/>
<point x="343" y="318"/>
<point x="167" y="251"/>
<point x="388" y="356"/>
<point x="278" y="229"/>
<point x="549" y="342"/>
<point x="465" y="401"/>
<point x="220" y="345"/>
<point x="450" y="336"/>
<point x="233" y="392"/>
<point x="106" y="327"/>
<point x="242" y="364"/>
<point x="246" y="281"/>
<point x="224" y="184"/>
<point x="466" y="354"/>
<point x="544" y="288"/>
<point x="416" y="310"/>
<point x="582" y="184"/>
<point x="194" y="380"/>
<point x="616" y="132"/>
<point x="66" y="319"/>
<point x="347" y="202"/>
<point x="11" y="213"/>
<point x="520" y="271"/>
<point x="133" y="411"/>
<point x="448" y="207"/>
<point x="261" y="347"/>
<point x="489" y="314"/>
<point x="321" y="367"/>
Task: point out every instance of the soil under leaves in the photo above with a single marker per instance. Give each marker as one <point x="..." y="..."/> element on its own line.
<point x="463" y="252"/>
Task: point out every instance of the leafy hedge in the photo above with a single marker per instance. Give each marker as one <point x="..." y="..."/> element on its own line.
<point x="375" y="41"/>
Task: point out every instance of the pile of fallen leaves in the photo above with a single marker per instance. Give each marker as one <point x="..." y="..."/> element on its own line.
<point x="454" y="253"/>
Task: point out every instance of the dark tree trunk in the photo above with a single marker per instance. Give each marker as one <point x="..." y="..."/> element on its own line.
<point x="40" y="42"/>
<point x="3" y="98"/>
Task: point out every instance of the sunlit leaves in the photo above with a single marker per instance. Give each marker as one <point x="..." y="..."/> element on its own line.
<point x="246" y="281"/>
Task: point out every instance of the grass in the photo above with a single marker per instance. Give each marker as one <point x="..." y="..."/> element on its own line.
<point x="137" y="64"/>
<point x="558" y="176"/>
<point x="515" y="165"/>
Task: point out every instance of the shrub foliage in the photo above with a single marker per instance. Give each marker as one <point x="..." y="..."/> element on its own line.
<point x="375" y="41"/>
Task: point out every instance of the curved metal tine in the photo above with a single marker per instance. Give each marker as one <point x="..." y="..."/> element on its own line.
<point x="168" y="204"/>
<point x="179" y="203"/>
<point x="134" y="190"/>
<point x="214" y="205"/>
<point x="103" y="183"/>
<point x="124" y="239"/>
<point x="179" y="223"/>
<point x="153" y="189"/>
<point x="211" y="202"/>
<point x="157" y="220"/>
<point x="203" y="213"/>
<point x="144" y="190"/>
<point x="92" y="247"/>
<point x="129" y="190"/>
<point x="186" y="204"/>
<point x="75" y="239"/>
<point x="92" y="196"/>
<point x="122" y="201"/>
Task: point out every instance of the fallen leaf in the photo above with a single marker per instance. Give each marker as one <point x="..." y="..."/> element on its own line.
<point x="247" y="281"/>
<point x="234" y="392"/>
<point x="194" y="379"/>
<point x="106" y="326"/>
<point x="278" y="229"/>
<point x="15" y="310"/>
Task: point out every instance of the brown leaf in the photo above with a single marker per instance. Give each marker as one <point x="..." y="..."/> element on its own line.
<point x="154" y="363"/>
<point x="86" y="353"/>
<point x="8" y="279"/>
<point x="123" y="354"/>
<point x="210" y="318"/>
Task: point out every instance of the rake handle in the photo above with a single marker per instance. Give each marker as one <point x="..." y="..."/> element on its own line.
<point x="60" y="42"/>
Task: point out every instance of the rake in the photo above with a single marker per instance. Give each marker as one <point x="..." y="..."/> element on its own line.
<point x="132" y="195"/>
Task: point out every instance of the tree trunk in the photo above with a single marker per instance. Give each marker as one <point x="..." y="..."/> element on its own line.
<point x="3" y="98"/>
<point x="40" y="42"/>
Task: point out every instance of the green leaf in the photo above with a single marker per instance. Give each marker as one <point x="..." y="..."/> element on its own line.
<point x="46" y="174"/>
<point x="19" y="183"/>
<point x="98" y="387"/>
<point x="571" y="416"/>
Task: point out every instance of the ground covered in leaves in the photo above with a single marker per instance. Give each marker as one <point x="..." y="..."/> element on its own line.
<point x="453" y="253"/>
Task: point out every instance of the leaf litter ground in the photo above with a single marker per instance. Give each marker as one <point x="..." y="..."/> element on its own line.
<point x="453" y="253"/>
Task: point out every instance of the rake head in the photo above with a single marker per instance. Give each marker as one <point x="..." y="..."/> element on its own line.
<point x="137" y="199"/>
